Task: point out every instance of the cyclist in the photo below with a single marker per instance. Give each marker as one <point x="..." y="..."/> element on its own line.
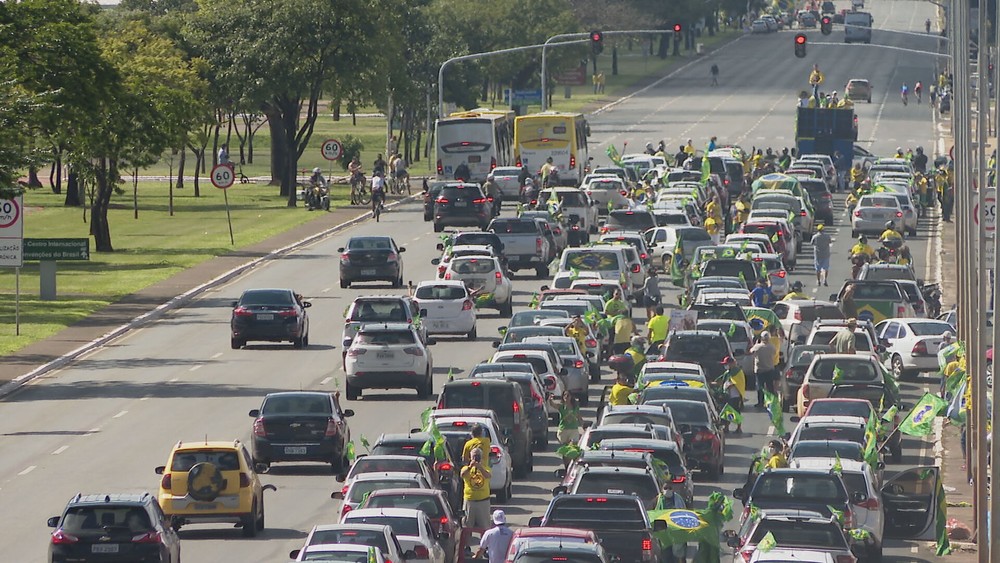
<point x="400" y="173"/>
<point x="379" y="164"/>
<point x="918" y="88"/>
<point x="904" y="93"/>
<point x="355" y="168"/>
<point x="378" y="193"/>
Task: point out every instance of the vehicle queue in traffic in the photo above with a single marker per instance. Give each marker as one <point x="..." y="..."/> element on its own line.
<point x="724" y="226"/>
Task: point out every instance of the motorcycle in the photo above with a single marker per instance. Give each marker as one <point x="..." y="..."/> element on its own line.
<point x="318" y="197"/>
<point x="858" y="261"/>
<point x="931" y="293"/>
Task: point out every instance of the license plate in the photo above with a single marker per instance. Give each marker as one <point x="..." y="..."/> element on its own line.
<point x="385" y="355"/>
<point x="204" y="506"/>
<point x="476" y="281"/>
<point x="368" y="272"/>
<point x="104" y="548"/>
<point x="265" y="317"/>
<point x="295" y="450"/>
<point x="461" y="204"/>
<point x="473" y="159"/>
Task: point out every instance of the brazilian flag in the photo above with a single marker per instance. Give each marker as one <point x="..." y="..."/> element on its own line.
<point x="920" y="421"/>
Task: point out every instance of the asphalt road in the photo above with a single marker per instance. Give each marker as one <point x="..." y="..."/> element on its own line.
<point x="104" y="423"/>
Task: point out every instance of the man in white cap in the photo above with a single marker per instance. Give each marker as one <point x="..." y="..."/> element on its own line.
<point x="496" y="540"/>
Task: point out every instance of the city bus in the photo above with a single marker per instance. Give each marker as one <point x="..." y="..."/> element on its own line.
<point x="482" y="139"/>
<point x="561" y="136"/>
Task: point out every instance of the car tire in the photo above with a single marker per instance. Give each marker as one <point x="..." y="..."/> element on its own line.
<point x="898" y="371"/>
<point x="585" y="400"/>
<point x="249" y="522"/>
<point x="425" y="390"/>
<point x="472" y="334"/>
<point x="298" y="343"/>
<point x="542" y="443"/>
<point x="541" y="272"/>
<point x="236" y="343"/>
<point x="353" y="393"/>
<point x="912" y="232"/>
<point x="260" y="520"/>
<point x="507" y="310"/>
<point x="854" y="234"/>
<point x="344" y="284"/>
<point x="712" y="473"/>
<point x="531" y="459"/>
<point x="595" y="373"/>
<point x="397" y="283"/>
<point x="874" y="554"/>
<point x="438" y="228"/>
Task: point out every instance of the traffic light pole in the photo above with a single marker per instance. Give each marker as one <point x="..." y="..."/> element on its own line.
<point x="575" y="39"/>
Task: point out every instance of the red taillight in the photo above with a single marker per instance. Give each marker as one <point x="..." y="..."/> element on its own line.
<point x="900" y="311"/>
<point x="447" y="275"/>
<point x="442" y="200"/>
<point x="746" y="555"/>
<point x="499" y="276"/>
<point x="635" y="268"/>
<point x="355" y="352"/>
<point x="590" y="342"/>
<point x="578" y="364"/>
<point x="846" y="558"/>
<point x="346" y="508"/>
<point x="440" y="168"/>
<point x="445" y="466"/>
<point x="287" y="313"/>
<point x="703" y="436"/>
<point x="242" y="312"/>
<point x="572" y="161"/>
<point x="444" y="520"/>
<point x="538" y="244"/>
<point x="166" y="482"/>
<point x="789" y="374"/>
<point x="623" y="192"/>
<point x="679" y="479"/>
<point x="780" y="274"/>
<point x="557" y="231"/>
<point x="516" y="406"/>
<point x="899" y="214"/>
<point x="345" y="257"/>
<point x="919" y="349"/>
<point x="802" y="213"/>
<point x="870" y="503"/>
<point x="151" y="536"/>
<point x="797" y="314"/>
<point x="467" y="305"/>
<point x="726" y="181"/>
<point x="857" y="213"/>
<point x="495" y="451"/>
<point x="479" y="200"/>
<point x="258" y="427"/>
<point x="643" y="256"/>
<point x="493" y="163"/>
<point x="60" y="537"/>
<point x="244" y="480"/>
<point x="518" y="163"/>
<point x="413" y="351"/>
<point x="421" y="552"/>
<point x="442" y="270"/>
<point x="331" y="427"/>
<point x="392" y="257"/>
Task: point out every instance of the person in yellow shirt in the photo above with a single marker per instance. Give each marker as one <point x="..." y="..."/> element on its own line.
<point x="657" y="327"/>
<point x="862" y="247"/>
<point x="621" y="390"/>
<point x="796" y="292"/>
<point x="734" y="381"/>
<point x="476" y="476"/>
<point x="815" y="79"/>
<point x="713" y="228"/>
<point x="776" y="456"/>
<point x="624" y="330"/>
<point x="689" y="148"/>
<point x="578" y="330"/>
<point x="478" y="440"/>
<point x="890" y="233"/>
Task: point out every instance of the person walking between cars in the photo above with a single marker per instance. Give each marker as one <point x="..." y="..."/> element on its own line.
<point x="496" y="541"/>
<point x="761" y="295"/>
<point x="624" y="330"/>
<point x="763" y="354"/>
<point x="651" y="293"/>
<point x="478" y="440"/>
<point x="476" y="477"/>
<point x="734" y="382"/>
<point x="821" y="243"/>
<point x="657" y="327"/>
<point x="715" y="75"/>
<point x="844" y="341"/>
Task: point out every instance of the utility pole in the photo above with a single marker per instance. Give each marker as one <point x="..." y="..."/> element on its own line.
<point x="995" y="336"/>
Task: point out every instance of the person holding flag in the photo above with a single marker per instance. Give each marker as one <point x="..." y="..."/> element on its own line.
<point x="947" y="353"/>
<point x="734" y="382"/>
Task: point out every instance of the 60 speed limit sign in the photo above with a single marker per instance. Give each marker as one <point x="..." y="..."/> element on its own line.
<point x="332" y="149"/>
<point x="222" y="176"/>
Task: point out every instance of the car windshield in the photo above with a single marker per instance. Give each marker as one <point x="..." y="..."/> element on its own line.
<point x="734" y="333"/>
<point x="567" y="199"/>
<point x="801" y="534"/>
<point x="699" y="347"/>
<point x="874" y="394"/>
<point x="797" y="487"/>
<point x="386" y="337"/>
<point x="825" y="369"/>
<point x="353" y="536"/>
<point x="518" y="334"/>
<point x="597" y="513"/>
<point x="687" y="412"/>
<point x="591" y="260"/>
<point x="429" y="505"/>
<point x="337" y="556"/>
<point x="887" y="274"/>
<point x="636" y="418"/>
<point x="839" y="408"/>
<point x="597" y="435"/>
<point x="361" y="488"/>
<point x="471" y="266"/>
<point x="574" y="309"/>
<point x="297" y="404"/>
<point x="884" y="201"/>
<point x="641" y="485"/>
<point x="369" y="243"/>
<point x="877" y="292"/>
<point x="564" y="348"/>
<point x="99" y="519"/>
<point x="277" y="297"/>
<point x="474" y="238"/>
<point x="510" y="226"/>
<point x="372" y="310"/>
<point x="536" y="361"/>
<point x="730" y="268"/>
<point x="557" y="555"/>
<point x="401" y="448"/>
<point x="441" y="292"/>
<point x="225" y="460"/>
<point x="861" y="343"/>
<point x="401" y="525"/>
<point x="528" y="318"/>
<point x="827" y="449"/>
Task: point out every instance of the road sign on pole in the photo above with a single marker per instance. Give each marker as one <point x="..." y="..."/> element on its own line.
<point x="222" y="176"/>
<point x="985" y="213"/>
<point x="12" y="232"/>
<point x="332" y="149"/>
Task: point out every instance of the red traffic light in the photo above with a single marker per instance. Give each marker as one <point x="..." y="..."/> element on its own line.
<point x="677" y="28"/>
<point x="596" y="36"/>
<point x="800" y="39"/>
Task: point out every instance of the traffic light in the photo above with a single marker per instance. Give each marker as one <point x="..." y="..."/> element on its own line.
<point x="826" y="25"/>
<point x="596" y="42"/>
<point x="800" y="45"/>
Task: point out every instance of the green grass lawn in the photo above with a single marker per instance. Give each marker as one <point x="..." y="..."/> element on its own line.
<point x="157" y="245"/>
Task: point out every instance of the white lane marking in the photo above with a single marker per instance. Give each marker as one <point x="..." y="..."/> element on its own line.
<point x="60" y="450"/>
<point x="195" y="368"/>
<point x="27" y="470"/>
<point x="325" y="380"/>
<point x="174" y="380"/>
<point x="146" y="398"/>
<point x="121" y="414"/>
<point x="770" y="430"/>
<point x="327" y="289"/>
<point x="94" y="430"/>
<point x="216" y="355"/>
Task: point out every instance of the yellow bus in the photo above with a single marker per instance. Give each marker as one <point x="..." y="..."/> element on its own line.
<point x="551" y="134"/>
<point x="482" y="139"/>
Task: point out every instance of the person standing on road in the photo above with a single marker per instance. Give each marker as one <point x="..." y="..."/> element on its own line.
<point x="478" y="440"/>
<point x="715" y="75"/>
<point x="476" y="477"/>
<point x="224" y="155"/>
<point x="569" y="419"/>
<point x="763" y="354"/>
<point x="821" y="243"/>
<point x="496" y="541"/>
<point x="624" y="330"/>
<point x="734" y="381"/>
<point x="652" y="297"/>
<point x="616" y="305"/>
<point x="761" y="295"/>
<point x="658" y="326"/>
<point x="844" y="341"/>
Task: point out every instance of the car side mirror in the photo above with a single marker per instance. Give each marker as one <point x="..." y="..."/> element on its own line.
<point x="160" y="469"/>
<point x="833" y="297"/>
<point x="795" y="418"/>
<point x="535" y="522"/>
<point x="590" y="354"/>
<point x="544" y="288"/>
<point x="261" y="468"/>
<point x="559" y="490"/>
<point x="341" y="249"/>
<point x="563" y="371"/>
<point x="423" y="312"/>
<point x="306" y="304"/>
<point x="409" y="554"/>
<point x="341" y="478"/>
<point x="337" y="495"/>
<point x="787" y="436"/>
<point x="880" y="349"/>
<point x="235" y="304"/>
<point x="294" y="554"/>
<point x="436" y="262"/>
<point x="402" y="249"/>
<point x="496" y="343"/>
<point x="729" y="534"/>
<point x="254" y="413"/>
<point x="684" y="428"/>
<point x="739" y="493"/>
<point x="431" y="341"/>
<point x="858" y="497"/>
<point x="880" y="465"/>
<point x="53" y="522"/>
<point x="587" y="424"/>
<point x="502" y="330"/>
<point x="348" y="413"/>
<point x="733" y="542"/>
<point x="550" y="382"/>
<point x="439" y="246"/>
<point x="560" y="473"/>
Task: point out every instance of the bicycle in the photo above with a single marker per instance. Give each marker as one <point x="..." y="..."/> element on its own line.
<point x="378" y="206"/>
<point x="359" y="191"/>
<point x="905" y="97"/>
<point x="396" y="186"/>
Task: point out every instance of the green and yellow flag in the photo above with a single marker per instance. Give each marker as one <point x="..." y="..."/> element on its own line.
<point x="731" y="414"/>
<point x="838" y="375"/>
<point x="612" y="153"/>
<point x="706" y="170"/>
<point x="773" y="405"/>
<point x="838" y="467"/>
<point x="920" y="420"/>
<point x="766" y="543"/>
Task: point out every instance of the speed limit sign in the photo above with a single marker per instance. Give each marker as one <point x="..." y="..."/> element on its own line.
<point x="332" y="149"/>
<point x="222" y="176"/>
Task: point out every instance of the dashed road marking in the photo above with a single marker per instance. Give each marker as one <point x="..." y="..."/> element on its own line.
<point x="60" y="450"/>
<point x="120" y="414"/>
<point x="195" y="368"/>
<point x="174" y="380"/>
<point x="94" y="430"/>
<point x="326" y="290"/>
<point x="27" y="470"/>
<point x="216" y="355"/>
<point x="325" y="380"/>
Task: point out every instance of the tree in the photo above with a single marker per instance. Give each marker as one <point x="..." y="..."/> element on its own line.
<point x="281" y="55"/>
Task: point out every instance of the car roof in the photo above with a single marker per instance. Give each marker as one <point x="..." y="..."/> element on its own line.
<point x="387" y="476"/>
<point x="624" y="469"/>
<point x="568" y="548"/>
<point x="356" y="526"/>
<point x="207" y="445"/>
<point x="110" y="498"/>
<point x="553" y="531"/>
<point x="396" y="512"/>
<point x="648" y="443"/>
<point x="384" y="326"/>
<point x="827" y="463"/>
<point x="320" y="547"/>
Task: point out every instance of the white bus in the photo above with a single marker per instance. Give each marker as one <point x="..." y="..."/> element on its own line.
<point x="482" y="139"/>
<point x="550" y="134"/>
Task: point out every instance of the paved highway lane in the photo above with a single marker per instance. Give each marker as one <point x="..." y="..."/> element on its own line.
<point x="105" y="422"/>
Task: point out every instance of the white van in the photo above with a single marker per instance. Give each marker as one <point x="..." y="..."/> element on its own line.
<point x="857" y="27"/>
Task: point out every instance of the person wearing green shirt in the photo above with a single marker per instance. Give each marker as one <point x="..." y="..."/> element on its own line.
<point x="569" y="418"/>
<point x="657" y="327"/>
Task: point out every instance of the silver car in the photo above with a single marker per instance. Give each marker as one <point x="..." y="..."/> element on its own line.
<point x="873" y="211"/>
<point x="574" y="360"/>
<point x="507" y="178"/>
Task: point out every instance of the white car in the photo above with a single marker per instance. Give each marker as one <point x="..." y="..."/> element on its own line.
<point x="751" y="238"/>
<point x="605" y="190"/>
<point x="389" y="356"/>
<point x="797" y="554"/>
<point x="340" y="552"/>
<point x="486" y="275"/>
<point x="791" y="528"/>
<point x="911" y="344"/>
<point x="354" y="493"/>
<point x="574" y="201"/>
<point x="454" y="424"/>
<point x="412" y="528"/>
<point x="541" y="360"/>
<point x="661" y="242"/>
<point x="363" y="535"/>
<point x="446" y="308"/>
<point x="873" y="211"/>
<point x="451" y="252"/>
<point x="798" y="315"/>
<point x="777" y="275"/>
<point x="908" y="222"/>
<point x="564" y="280"/>
<point x="717" y="295"/>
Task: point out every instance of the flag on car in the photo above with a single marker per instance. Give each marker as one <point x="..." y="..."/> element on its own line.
<point x="773" y="405"/>
<point x="706" y="170"/>
<point x="766" y="543"/>
<point x="838" y="467"/>
<point x="920" y="420"/>
<point x="731" y="414"/>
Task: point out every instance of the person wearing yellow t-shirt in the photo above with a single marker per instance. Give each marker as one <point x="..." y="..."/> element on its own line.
<point x="476" y="477"/>
<point x="624" y="330"/>
<point x="657" y="327"/>
<point x="775" y="456"/>
<point x="478" y="440"/>
<point x="862" y="247"/>
<point x="689" y="148"/>
<point x="620" y="390"/>
<point x="712" y="227"/>
<point x="796" y="292"/>
<point x="578" y="330"/>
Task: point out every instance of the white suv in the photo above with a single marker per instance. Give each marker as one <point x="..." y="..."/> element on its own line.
<point x="485" y="274"/>
<point x="446" y="308"/>
<point x="452" y="422"/>
<point x="389" y="356"/>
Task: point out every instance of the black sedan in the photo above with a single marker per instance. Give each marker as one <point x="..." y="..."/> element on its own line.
<point x="430" y="196"/>
<point x="271" y="315"/>
<point x="371" y="258"/>
<point x="301" y="426"/>
<point x="461" y="205"/>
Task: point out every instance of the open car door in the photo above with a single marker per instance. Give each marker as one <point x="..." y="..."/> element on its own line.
<point x="911" y="501"/>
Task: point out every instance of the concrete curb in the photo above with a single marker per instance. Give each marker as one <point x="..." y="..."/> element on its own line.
<point x="180" y="300"/>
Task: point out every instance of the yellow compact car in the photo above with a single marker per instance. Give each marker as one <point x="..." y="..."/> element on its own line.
<point x="212" y="482"/>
